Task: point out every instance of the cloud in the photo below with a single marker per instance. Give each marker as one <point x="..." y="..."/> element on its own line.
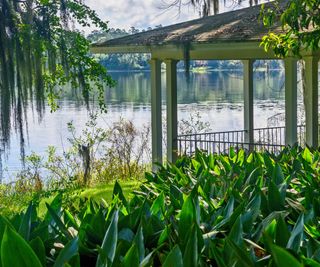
<point x="138" y="13"/>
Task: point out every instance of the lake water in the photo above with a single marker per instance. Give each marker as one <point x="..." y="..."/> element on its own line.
<point x="217" y="96"/>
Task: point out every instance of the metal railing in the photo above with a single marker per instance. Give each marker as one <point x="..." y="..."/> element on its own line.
<point x="271" y="139"/>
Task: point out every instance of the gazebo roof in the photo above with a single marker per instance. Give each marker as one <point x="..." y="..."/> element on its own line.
<point x="241" y="25"/>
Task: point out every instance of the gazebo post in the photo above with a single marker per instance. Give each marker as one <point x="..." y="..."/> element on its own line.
<point x="156" y="116"/>
<point x="290" y="66"/>
<point x="311" y="100"/>
<point x="248" y="101"/>
<point x="172" y="110"/>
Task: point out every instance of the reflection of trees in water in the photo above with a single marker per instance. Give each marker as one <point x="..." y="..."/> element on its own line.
<point x="131" y="87"/>
<point x="216" y="86"/>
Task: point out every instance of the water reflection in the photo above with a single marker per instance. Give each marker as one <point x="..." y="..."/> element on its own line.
<point x="211" y="87"/>
<point x="217" y="96"/>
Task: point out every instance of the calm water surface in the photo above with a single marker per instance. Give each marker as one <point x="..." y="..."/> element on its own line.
<point x="218" y="96"/>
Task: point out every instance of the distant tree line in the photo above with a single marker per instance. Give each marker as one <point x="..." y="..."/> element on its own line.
<point x="141" y="61"/>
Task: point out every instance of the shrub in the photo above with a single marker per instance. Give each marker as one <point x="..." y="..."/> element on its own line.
<point x="207" y="210"/>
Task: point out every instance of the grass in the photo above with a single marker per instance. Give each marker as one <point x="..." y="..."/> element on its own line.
<point x="14" y="204"/>
<point x="105" y="191"/>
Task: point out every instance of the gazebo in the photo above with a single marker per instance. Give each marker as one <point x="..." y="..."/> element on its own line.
<point x="233" y="35"/>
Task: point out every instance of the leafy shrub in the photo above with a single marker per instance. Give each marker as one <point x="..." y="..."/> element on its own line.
<point x="208" y="210"/>
<point x="96" y="155"/>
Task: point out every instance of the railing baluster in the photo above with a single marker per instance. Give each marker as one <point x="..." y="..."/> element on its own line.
<point x="220" y="142"/>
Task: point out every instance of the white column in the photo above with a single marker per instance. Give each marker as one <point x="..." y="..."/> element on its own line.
<point x="156" y="116"/>
<point x="172" y="110"/>
<point x="290" y="66"/>
<point x="311" y="100"/>
<point x="248" y="100"/>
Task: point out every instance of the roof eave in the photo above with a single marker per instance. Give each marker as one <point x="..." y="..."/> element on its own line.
<point x="202" y="51"/>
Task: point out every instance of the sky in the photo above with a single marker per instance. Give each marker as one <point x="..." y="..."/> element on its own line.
<point x="139" y="13"/>
<point x="148" y="13"/>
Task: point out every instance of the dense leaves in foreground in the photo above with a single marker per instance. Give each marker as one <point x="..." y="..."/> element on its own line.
<point x="207" y="210"/>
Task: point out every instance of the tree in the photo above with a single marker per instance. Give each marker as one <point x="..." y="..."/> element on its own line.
<point x="41" y="54"/>
<point x="300" y="20"/>
<point x="205" y="7"/>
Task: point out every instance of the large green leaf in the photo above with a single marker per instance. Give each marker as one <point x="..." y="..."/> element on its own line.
<point x="67" y="253"/>
<point x="307" y="156"/>
<point x="117" y="191"/>
<point x="236" y="232"/>
<point x="15" y="251"/>
<point x="39" y="248"/>
<point x="282" y="232"/>
<point x="158" y="205"/>
<point x="139" y="240"/>
<point x="147" y="261"/>
<point x="296" y="234"/>
<point x="25" y="226"/>
<point x="109" y="244"/>
<point x="275" y="200"/>
<point x="56" y="219"/>
<point x="187" y="218"/>
<point x="174" y="258"/>
<point x="131" y="259"/>
<point x="190" y="255"/>
<point x="3" y="224"/>
<point x="283" y="258"/>
<point x="240" y="254"/>
<point x="277" y="176"/>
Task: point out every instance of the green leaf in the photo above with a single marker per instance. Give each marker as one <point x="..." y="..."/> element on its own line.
<point x="67" y="253"/>
<point x="126" y="234"/>
<point x="3" y="224"/>
<point x="131" y="259"/>
<point x="296" y="234"/>
<point x="240" y="254"/>
<point x="174" y="258"/>
<point x="275" y="200"/>
<point x="117" y="191"/>
<point x="55" y="206"/>
<point x="147" y="261"/>
<point x="283" y="258"/>
<point x="38" y="247"/>
<point x="164" y="236"/>
<point x="307" y="156"/>
<point x="218" y="256"/>
<point x="252" y="178"/>
<point x="139" y="241"/>
<point x="71" y="219"/>
<point x="190" y="256"/>
<point x="277" y="176"/>
<point x="282" y="232"/>
<point x="58" y="221"/>
<point x="109" y="244"/>
<point x="25" y="226"/>
<point x="158" y="205"/>
<point x="310" y="262"/>
<point x="236" y="232"/>
<point x="252" y="211"/>
<point x="16" y="252"/>
<point x="187" y="218"/>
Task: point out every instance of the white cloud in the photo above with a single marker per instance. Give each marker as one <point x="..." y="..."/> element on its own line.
<point x="138" y="13"/>
<point x="148" y="13"/>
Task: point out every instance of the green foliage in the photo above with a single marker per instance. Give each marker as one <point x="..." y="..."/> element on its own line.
<point x="207" y="210"/>
<point x="40" y="56"/>
<point x="300" y="22"/>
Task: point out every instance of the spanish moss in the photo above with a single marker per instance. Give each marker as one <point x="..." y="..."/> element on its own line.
<point x="40" y="57"/>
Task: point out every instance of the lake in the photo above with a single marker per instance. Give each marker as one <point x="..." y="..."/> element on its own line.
<point x="216" y="95"/>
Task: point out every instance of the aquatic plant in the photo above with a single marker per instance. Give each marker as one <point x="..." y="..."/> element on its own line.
<point x="238" y="209"/>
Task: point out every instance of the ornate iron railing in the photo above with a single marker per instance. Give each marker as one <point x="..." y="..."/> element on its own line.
<point x="271" y="139"/>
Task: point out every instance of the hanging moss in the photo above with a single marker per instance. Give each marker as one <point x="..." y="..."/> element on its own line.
<point x="40" y="56"/>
